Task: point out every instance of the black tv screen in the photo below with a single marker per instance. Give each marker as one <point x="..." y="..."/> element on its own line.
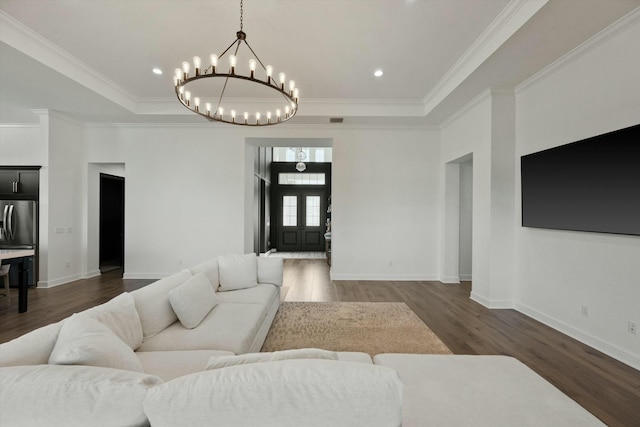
<point x="588" y="185"/>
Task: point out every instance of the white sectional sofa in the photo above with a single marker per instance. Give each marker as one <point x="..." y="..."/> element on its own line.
<point x="182" y="351"/>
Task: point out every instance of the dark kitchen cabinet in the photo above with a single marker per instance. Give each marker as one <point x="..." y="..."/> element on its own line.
<point x="19" y="183"/>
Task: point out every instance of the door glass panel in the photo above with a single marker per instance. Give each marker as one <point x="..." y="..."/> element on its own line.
<point x="313" y="211"/>
<point x="289" y="211"/>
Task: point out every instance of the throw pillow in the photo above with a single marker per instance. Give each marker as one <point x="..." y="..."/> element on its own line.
<point x="306" y="393"/>
<point x="237" y="272"/>
<point x="223" y="361"/>
<point x="85" y="341"/>
<point x="121" y="316"/>
<point x="193" y="300"/>
<point x="210" y="269"/>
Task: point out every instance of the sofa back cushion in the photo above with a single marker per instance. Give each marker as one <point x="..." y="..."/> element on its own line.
<point x="294" y="392"/>
<point x="209" y="269"/>
<point x="57" y="395"/>
<point x="193" y="300"/>
<point x="237" y="272"/>
<point x="153" y="306"/>
<point x="121" y="316"/>
<point x="270" y="270"/>
<point x="85" y="341"/>
<point x="33" y="348"/>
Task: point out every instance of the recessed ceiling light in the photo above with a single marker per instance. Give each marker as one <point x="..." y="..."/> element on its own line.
<point x="157" y="71"/>
<point x="378" y="73"/>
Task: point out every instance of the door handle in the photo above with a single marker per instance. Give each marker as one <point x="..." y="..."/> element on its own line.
<point x="10" y="222"/>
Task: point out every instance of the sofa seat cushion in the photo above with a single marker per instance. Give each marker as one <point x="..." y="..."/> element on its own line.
<point x="56" y="395"/>
<point x="152" y="303"/>
<point x="85" y="341"/>
<point x="219" y="362"/>
<point x="261" y="294"/>
<point x="354" y="356"/>
<point x="286" y="393"/>
<point x="173" y="364"/>
<point x="229" y="326"/>
<point x="480" y="391"/>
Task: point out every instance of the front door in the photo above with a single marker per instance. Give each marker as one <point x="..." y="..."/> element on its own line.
<point x="301" y="217"/>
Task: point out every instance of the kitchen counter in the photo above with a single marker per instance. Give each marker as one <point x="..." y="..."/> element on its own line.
<point x="22" y="285"/>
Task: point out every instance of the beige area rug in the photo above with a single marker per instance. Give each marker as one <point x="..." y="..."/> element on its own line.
<point x="373" y="328"/>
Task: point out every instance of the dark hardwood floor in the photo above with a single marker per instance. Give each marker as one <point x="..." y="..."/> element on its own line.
<point x="604" y="386"/>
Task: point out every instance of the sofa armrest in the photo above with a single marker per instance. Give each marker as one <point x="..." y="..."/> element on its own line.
<point x="270" y="270"/>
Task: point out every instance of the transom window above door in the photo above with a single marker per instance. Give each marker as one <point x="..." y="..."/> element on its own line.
<point x="301" y="178"/>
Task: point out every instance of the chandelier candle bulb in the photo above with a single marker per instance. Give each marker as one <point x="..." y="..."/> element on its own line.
<point x="246" y="117"/>
<point x="292" y="86"/>
<point x="214" y="63"/>
<point x="283" y="77"/>
<point x="295" y="94"/>
<point x="196" y="101"/>
<point x="178" y="75"/>
<point x="185" y="69"/>
<point x="196" y="65"/>
<point x="258" y="118"/>
<point x="187" y="97"/>
<point x="232" y="63"/>
<point x="208" y="106"/>
<point x="220" y="112"/>
<point x="252" y="67"/>
<point x="233" y="116"/>
<point x="268" y="116"/>
<point x="269" y="70"/>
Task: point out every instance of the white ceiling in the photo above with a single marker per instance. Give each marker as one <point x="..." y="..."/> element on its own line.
<point x="92" y="59"/>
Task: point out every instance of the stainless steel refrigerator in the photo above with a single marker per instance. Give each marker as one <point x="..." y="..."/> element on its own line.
<point x="19" y="229"/>
<point x="18" y="224"/>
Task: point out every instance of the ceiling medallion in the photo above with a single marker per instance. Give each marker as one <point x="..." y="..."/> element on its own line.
<point x="214" y="109"/>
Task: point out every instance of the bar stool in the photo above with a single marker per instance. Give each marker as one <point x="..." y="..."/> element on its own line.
<point x="4" y="273"/>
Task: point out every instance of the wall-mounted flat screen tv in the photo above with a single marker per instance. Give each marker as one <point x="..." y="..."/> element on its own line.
<point x="589" y="185"/>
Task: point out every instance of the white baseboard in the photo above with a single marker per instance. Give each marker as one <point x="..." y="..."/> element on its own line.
<point x="94" y="273"/>
<point x="147" y="276"/>
<point x="450" y="279"/>
<point x="605" y="347"/>
<point x="492" y="304"/>
<point x="465" y="277"/>
<point x="377" y="277"/>
<point x="60" y="281"/>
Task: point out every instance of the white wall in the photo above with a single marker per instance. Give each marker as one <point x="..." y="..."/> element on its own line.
<point x="466" y="220"/>
<point x="20" y="145"/>
<point x="62" y="203"/>
<point x="186" y="196"/>
<point x="559" y="271"/>
<point x="385" y="205"/>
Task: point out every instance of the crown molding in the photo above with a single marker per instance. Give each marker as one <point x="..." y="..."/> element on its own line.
<point x="20" y="37"/>
<point x="613" y="30"/>
<point x="505" y="25"/>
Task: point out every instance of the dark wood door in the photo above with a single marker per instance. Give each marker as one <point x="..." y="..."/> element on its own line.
<point x="301" y="220"/>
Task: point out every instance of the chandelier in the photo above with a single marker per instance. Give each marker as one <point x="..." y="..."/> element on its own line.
<point x="213" y="107"/>
<point x="300" y="157"/>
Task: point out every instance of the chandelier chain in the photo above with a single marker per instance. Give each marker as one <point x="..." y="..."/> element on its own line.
<point x="241" y="13"/>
